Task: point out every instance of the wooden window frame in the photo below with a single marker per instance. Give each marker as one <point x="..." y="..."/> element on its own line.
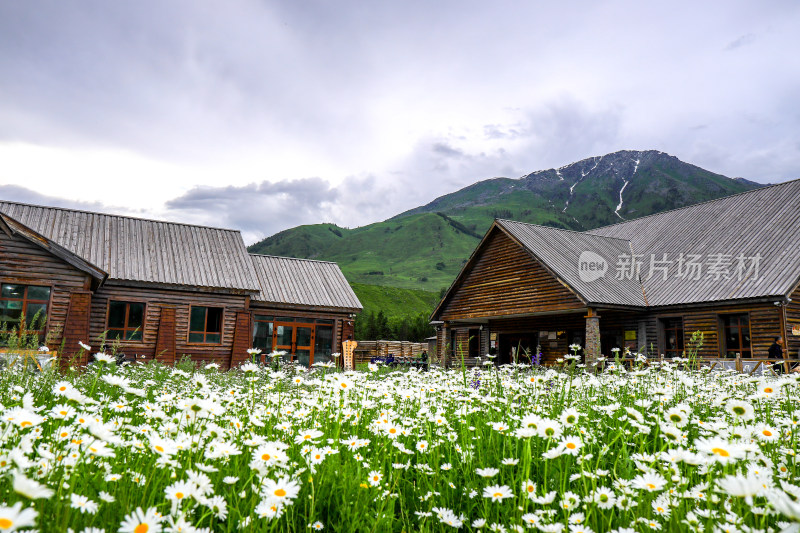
<point x="723" y="345"/>
<point x="662" y="335"/>
<point x="205" y="333"/>
<point x="125" y="329"/>
<point x="48" y="305"/>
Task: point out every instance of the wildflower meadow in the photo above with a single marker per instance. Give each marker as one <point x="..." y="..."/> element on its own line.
<point x="146" y="448"/>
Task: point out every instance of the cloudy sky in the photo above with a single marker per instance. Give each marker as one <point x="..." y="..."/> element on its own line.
<point x="262" y="115"/>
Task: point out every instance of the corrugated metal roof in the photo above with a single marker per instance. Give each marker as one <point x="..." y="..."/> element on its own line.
<point x="13" y="226"/>
<point x="286" y="280"/>
<point x="561" y="252"/>
<point x="764" y="221"/>
<point x="141" y="250"/>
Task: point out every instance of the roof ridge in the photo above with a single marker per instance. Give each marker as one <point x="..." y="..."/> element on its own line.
<point x="765" y="187"/>
<point x="585" y="234"/>
<point x="294" y="258"/>
<point x="71" y="209"/>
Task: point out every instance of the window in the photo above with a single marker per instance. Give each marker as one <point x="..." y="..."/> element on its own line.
<point x="736" y="335"/>
<point x="323" y="344"/>
<point x="24" y="308"/>
<point x="673" y="336"/>
<point x="262" y="333"/>
<point x="125" y="320"/>
<point x="205" y="325"/>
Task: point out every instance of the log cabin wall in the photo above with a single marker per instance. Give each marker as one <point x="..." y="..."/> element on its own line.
<point x="764" y="319"/>
<point x="505" y="280"/>
<point x="23" y="262"/>
<point x="156" y="298"/>
<point x="765" y="325"/>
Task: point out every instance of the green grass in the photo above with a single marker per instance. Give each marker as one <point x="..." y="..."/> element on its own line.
<point x="395" y="302"/>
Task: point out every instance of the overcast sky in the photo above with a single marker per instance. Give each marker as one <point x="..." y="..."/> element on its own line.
<point x="263" y="115"/>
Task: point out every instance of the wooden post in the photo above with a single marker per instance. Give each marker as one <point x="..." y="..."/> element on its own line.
<point x="165" y="339"/>
<point x="785" y="337"/>
<point x="242" y="339"/>
<point x="76" y="327"/>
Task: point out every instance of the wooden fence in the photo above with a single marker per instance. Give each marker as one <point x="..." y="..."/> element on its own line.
<point x="366" y="350"/>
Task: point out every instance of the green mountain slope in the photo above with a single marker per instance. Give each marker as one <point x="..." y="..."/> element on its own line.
<point x="424" y="248"/>
<point x="394" y="302"/>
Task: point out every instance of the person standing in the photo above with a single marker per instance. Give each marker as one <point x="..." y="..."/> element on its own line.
<point x="776" y="350"/>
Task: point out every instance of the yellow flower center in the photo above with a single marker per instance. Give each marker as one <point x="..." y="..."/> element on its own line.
<point x="265" y="457"/>
<point x="5" y="523"/>
<point x="280" y="493"/>
<point x="721" y="452"/>
<point x="767" y="433"/>
<point x="26" y="424"/>
<point x="141" y="528"/>
<point x="571" y="445"/>
<point x="768" y="390"/>
<point x="498" y="494"/>
<point x="651" y="486"/>
<point x="179" y="495"/>
<point x="159" y="449"/>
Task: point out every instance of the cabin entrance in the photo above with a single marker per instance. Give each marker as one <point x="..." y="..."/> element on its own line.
<point x="305" y="340"/>
<point x="296" y="340"/>
<point x="523" y="345"/>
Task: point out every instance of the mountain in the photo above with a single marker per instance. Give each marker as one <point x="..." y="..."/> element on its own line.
<point x="424" y="248"/>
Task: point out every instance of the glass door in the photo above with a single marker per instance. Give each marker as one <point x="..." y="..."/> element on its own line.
<point x="297" y="340"/>
<point x="303" y="342"/>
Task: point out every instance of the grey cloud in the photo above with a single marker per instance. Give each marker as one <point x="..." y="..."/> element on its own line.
<point x="16" y="193"/>
<point x="739" y="42"/>
<point x="258" y="209"/>
<point x="446" y="150"/>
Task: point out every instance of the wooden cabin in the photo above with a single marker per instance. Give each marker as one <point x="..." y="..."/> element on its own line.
<point x="728" y="268"/>
<point x="160" y="289"/>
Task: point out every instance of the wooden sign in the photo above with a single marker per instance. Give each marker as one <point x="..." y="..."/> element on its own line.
<point x="349" y="359"/>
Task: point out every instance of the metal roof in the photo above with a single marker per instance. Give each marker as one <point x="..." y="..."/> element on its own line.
<point x="140" y="250"/>
<point x="561" y="252"/>
<point x="303" y="282"/>
<point x="14" y="227"/>
<point x="763" y="222"/>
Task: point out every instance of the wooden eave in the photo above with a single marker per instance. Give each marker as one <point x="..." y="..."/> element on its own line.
<point x="13" y="227"/>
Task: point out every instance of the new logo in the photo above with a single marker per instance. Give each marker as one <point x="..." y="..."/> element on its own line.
<point x="591" y="266"/>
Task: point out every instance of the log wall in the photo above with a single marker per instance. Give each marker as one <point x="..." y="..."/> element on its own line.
<point x="504" y="280"/>
<point x="23" y="262"/>
<point x="764" y="327"/>
<point x="179" y="303"/>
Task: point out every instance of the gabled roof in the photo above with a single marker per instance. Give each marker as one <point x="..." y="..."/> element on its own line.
<point x="560" y="252"/>
<point x="140" y="250"/>
<point x="13" y="227"/>
<point x="764" y="221"/>
<point x="303" y="283"/>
